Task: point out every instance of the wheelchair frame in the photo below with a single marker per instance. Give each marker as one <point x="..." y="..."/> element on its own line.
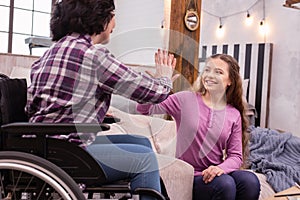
<point x="34" y="165"/>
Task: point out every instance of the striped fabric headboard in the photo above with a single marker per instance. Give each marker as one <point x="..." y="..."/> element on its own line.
<point x="255" y="64"/>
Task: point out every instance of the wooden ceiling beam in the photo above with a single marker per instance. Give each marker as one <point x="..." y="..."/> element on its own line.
<point x="292" y="1"/>
<point x="291" y="4"/>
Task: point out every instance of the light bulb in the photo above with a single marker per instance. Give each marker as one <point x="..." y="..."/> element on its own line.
<point x="249" y="19"/>
<point x="264" y="29"/>
<point x="261" y="23"/>
<point x="220" y="32"/>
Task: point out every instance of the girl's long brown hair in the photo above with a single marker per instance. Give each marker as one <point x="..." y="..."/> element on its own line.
<point x="234" y="96"/>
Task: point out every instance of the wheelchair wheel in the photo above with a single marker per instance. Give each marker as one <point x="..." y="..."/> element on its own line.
<point x="26" y="176"/>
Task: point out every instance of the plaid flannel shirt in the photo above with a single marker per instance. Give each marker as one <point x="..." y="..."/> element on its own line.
<point x="74" y="80"/>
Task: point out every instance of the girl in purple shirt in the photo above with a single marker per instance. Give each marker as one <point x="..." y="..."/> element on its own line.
<point x="212" y="132"/>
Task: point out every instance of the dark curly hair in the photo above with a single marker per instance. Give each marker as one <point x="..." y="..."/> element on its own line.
<point x="234" y="97"/>
<point x="80" y="16"/>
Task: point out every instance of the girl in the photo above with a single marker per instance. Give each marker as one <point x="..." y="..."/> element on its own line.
<point x="211" y="132"/>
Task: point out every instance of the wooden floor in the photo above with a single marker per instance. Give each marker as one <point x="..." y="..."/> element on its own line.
<point x="294" y="193"/>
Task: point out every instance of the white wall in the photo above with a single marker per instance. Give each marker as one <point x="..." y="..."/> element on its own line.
<point x="138" y="34"/>
<point x="284" y="33"/>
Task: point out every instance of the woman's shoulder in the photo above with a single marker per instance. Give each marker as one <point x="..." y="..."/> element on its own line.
<point x="99" y="48"/>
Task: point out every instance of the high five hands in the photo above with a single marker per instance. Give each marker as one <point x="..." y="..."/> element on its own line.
<point x="165" y="65"/>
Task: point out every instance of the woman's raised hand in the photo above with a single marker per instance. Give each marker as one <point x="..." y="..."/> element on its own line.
<point x="165" y="64"/>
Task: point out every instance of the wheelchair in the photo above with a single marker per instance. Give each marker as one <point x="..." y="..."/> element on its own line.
<point x="33" y="164"/>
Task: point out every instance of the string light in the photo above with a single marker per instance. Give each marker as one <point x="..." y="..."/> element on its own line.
<point x="263" y="28"/>
<point x="220" y="31"/>
<point x="162" y="23"/>
<point x="248" y="14"/>
<point x="221" y="25"/>
<point x="261" y="23"/>
<point x="249" y="19"/>
<point x="264" y="14"/>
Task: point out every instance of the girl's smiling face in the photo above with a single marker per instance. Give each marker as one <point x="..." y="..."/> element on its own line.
<point x="215" y="76"/>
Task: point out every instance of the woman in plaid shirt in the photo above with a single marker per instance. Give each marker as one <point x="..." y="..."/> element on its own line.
<point x="74" y="80"/>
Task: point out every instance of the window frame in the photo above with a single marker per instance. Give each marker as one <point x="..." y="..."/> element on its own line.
<point x="10" y="26"/>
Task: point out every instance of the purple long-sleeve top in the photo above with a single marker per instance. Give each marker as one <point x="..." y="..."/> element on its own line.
<point x="203" y="134"/>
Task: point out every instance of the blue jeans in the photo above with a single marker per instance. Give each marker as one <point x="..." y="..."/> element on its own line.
<point x="127" y="157"/>
<point x="238" y="185"/>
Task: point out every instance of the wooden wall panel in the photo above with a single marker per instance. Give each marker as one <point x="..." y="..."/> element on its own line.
<point x="184" y="43"/>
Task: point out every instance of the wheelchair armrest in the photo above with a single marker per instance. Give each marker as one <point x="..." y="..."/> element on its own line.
<point x="52" y="128"/>
<point x="111" y="119"/>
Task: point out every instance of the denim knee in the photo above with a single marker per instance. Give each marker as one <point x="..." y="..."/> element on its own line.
<point x="248" y="185"/>
<point x="222" y="187"/>
<point x="225" y="187"/>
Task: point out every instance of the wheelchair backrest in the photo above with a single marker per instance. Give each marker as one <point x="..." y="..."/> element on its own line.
<point x="13" y="98"/>
<point x="77" y="162"/>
